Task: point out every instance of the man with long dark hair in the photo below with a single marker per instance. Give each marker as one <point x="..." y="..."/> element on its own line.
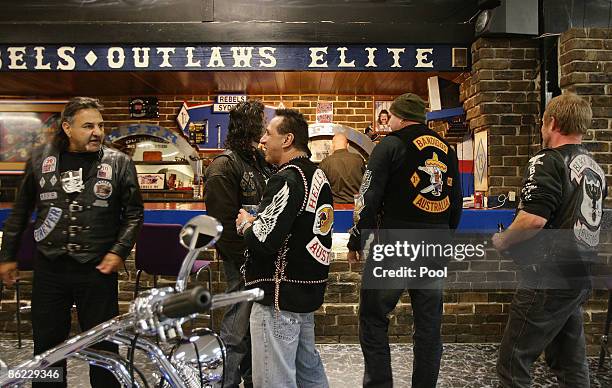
<point x="235" y="180"/>
<point x="88" y="214"/>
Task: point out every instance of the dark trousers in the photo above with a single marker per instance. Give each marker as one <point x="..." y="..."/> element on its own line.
<point x="548" y="321"/>
<point x="374" y="307"/>
<point x="235" y="331"/>
<point x="56" y="286"/>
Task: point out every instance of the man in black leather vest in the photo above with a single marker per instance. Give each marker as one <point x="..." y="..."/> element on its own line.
<point x="236" y="179"/>
<point x="563" y="189"/>
<point x="88" y="214"/>
<point x="411" y="182"/>
<point x="289" y="245"/>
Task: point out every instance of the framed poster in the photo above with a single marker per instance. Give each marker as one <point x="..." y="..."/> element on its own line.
<point x="382" y="115"/>
<point x="481" y="163"/>
<point x="151" y="181"/>
<point x="25" y="125"/>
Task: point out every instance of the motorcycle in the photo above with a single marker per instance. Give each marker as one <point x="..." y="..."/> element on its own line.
<point x="155" y="318"/>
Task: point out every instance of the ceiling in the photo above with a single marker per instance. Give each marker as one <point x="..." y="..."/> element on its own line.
<point x="63" y="84"/>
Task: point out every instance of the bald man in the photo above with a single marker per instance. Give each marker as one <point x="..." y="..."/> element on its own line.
<point x="344" y="170"/>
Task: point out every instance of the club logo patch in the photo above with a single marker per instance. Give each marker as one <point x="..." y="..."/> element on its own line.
<point x="435" y="169"/>
<point x="105" y="171"/>
<point x="72" y="181"/>
<point x="103" y="189"/>
<point x="48" y="224"/>
<point x="49" y="164"/>
<point x="318" y="251"/>
<point x="49" y="195"/>
<point x="324" y="220"/>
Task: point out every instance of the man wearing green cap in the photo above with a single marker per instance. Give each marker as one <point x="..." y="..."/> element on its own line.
<point x="411" y="182"/>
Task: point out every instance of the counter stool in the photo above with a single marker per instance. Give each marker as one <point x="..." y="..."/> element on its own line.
<point x="159" y="253"/>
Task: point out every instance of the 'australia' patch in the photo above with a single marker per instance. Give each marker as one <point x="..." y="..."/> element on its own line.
<point x="318" y="180"/>
<point x="53" y="217"/>
<point x="103" y="189"/>
<point x="49" y="164"/>
<point x="48" y="195"/>
<point x="324" y="220"/>
<point x="318" y="251"/>
<point x="105" y="171"/>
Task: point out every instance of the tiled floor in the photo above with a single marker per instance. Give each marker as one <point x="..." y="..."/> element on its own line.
<point x="463" y="365"/>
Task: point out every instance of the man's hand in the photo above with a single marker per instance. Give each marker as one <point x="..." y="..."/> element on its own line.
<point x="9" y="272"/>
<point x="353" y="257"/>
<point x="110" y="263"/>
<point x="242" y="219"/>
<point x="499" y="242"/>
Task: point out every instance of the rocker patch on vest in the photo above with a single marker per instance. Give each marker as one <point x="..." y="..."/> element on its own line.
<point x="42" y="182"/>
<point x="49" y="195"/>
<point x="318" y="180"/>
<point x="72" y="181"/>
<point x="434" y="168"/>
<point x="103" y="189"/>
<point x="324" y="220"/>
<point x="105" y="171"/>
<point x="49" y="164"/>
<point x="430" y="141"/>
<point x="318" y="251"/>
<point x="266" y="220"/>
<point x="48" y="224"/>
<point x="431" y="206"/>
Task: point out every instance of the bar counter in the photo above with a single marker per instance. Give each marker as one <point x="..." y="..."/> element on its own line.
<point x="481" y="220"/>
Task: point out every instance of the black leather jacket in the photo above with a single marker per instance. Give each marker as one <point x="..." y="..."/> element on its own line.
<point x="104" y="217"/>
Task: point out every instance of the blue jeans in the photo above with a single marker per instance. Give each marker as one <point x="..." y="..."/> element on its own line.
<point x="235" y="331"/>
<point x="549" y="321"/>
<point x="374" y="307"/>
<point x="283" y="348"/>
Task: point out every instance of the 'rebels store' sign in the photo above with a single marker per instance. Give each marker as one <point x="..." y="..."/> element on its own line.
<point x="226" y="57"/>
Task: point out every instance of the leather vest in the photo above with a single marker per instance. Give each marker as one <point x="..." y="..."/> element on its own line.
<point x="296" y="278"/>
<point x="87" y="227"/>
<point x="422" y="185"/>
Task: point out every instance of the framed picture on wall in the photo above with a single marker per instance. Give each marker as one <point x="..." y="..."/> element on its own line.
<point x="481" y="163"/>
<point x="25" y="125"/>
<point x="380" y="121"/>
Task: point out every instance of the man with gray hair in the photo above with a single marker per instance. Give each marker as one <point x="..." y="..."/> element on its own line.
<point x="88" y="214"/>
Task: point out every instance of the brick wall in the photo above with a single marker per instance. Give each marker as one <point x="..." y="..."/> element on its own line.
<point x="585" y="60"/>
<point x="353" y="111"/>
<point x="501" y="96"/>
